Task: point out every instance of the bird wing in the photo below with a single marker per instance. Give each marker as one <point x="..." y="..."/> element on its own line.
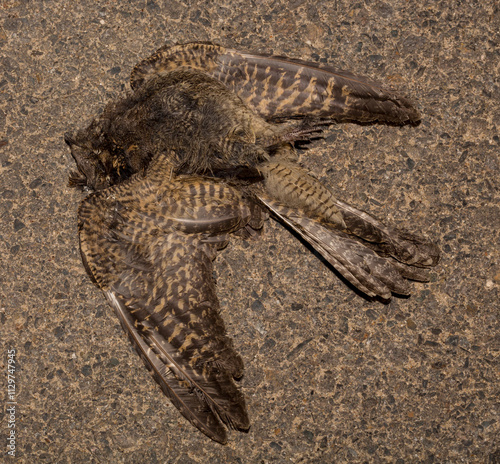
<point x="279" y="87"/>
<point x="149" y="247"/>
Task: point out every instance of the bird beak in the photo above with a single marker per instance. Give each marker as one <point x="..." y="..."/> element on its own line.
<point x="68" y="138"/>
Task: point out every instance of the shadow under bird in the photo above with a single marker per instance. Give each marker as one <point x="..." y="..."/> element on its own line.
<point x="203" y="149"/>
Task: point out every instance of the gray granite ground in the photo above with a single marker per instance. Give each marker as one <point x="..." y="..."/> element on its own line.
<point x="330" y="377"/>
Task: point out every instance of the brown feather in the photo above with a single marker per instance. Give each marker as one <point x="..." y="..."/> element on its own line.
<point x="294" y="186"/>
<point x="279" y="87"/>
<point x="362" y="267"/>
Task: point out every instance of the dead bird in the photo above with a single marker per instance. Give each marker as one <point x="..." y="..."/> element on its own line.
<point x="203" y="149"/>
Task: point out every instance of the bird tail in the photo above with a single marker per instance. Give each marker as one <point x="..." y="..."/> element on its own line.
<point x="374" y="257"/>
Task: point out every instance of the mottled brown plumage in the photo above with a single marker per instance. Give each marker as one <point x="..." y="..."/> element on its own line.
<point x="279" y="87"/>
<point x="196" y="154"/>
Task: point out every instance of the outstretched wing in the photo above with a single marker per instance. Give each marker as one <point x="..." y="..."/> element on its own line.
<point x="278" y="87"/>
<point x="149" y="247"/>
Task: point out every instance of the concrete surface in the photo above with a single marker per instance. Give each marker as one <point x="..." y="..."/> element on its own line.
<point x="330" y="377"/>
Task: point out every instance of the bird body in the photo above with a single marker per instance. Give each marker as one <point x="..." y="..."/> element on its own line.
<point x="200" y="151"/>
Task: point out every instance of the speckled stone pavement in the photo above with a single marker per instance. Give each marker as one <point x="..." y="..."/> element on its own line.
<point x="330" y="376"/>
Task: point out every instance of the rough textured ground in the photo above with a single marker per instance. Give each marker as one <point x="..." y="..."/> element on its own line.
<point x="330" y="377"/>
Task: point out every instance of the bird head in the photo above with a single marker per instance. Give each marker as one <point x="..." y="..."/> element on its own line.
<point x="99" y="163"/>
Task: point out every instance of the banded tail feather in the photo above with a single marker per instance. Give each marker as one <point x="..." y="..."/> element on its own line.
<point x="294" y="186"/>
<point x="372" y="256"/>
<point x="374" y="274"/>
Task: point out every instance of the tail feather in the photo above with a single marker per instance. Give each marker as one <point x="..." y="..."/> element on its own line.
<point x="404" y="246"/>
<point x="371" y="273"/>
<point x="294" y="186"/>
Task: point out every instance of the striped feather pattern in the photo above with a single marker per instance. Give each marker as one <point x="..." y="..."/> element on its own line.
<point x="150" y="249"/>
<point x="278" y="87"/>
